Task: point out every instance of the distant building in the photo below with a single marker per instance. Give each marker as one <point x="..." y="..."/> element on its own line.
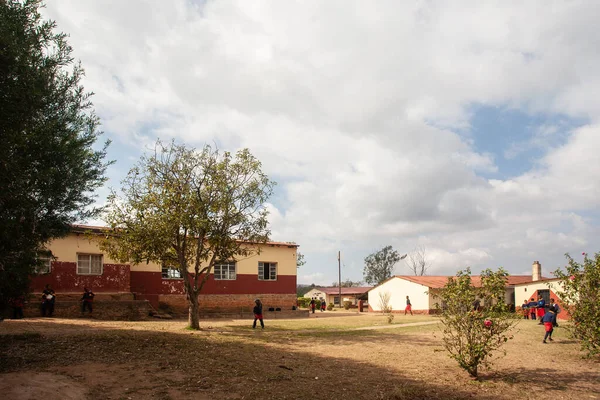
<point x="332" y="294"/>
<point x="423" y="290"/>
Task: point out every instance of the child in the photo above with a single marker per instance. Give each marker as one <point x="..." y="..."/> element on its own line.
<point x="525" y="309"/>
<point x="532" y="305"/>
<point x="548" y="320"/>
<point x="556" y="311"/>
<point x="258" y="314"/>
<point x="86" y="300"/>
<point x="48" y="300"/>
<point x="313" y="305"/>
<point x="408" y="306"/>
<point x="541" y="311"/>
<point x="323" y="305"/>
<point x="17" y="304"/>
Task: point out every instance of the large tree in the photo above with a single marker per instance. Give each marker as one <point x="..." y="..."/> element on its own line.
<point x="188" y="209"/>
<point x="50" y="164"/>
<point x="380" y="265"/>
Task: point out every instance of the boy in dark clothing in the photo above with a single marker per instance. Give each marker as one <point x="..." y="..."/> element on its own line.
<point x="258" y="314"/>
<point x="548" y="320"/>
<point x="525" y="309"/>
<point x="17" y="304"/>
<point x="313" y="305"/>
<point x="48" y="300"/>
<point x="86" y="300"/>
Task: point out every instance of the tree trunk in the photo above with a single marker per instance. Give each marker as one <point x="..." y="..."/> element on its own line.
<point x="194" y="312"/>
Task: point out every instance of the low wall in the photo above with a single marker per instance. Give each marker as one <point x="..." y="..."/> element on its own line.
<point x="227" y="303"/>
<point x="118" y="310"/>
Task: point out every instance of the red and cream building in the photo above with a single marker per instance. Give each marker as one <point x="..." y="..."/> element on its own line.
<point x="78" y="262"/>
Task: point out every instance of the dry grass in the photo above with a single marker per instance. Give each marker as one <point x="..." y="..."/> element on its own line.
<point x="294" y="359"/>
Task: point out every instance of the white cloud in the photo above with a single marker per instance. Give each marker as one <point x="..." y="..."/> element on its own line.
<point x="356" y="108"/>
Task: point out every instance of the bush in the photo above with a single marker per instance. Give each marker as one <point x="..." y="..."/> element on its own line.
<point x="347" y="305"/>
<point x="390" y="318"/>
<point x="329" y="306"/>
<point x="579" y="297"/>
<point x="303" y="302"/>
<point x="471" y="336"/>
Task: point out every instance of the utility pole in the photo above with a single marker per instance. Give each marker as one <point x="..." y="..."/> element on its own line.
<point x="340" y="278"/>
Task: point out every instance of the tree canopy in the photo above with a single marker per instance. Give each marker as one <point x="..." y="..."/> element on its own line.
<point x="188" y="209"/>
<point x="50" y="164"/>
<point x="379" y="266"/>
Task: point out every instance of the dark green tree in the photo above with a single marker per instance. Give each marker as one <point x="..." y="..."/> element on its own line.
<point x="188" y="210"/>
<point x="580" y="296"/>
<point x="50" y="164"/>
<point x="380" y="265"/>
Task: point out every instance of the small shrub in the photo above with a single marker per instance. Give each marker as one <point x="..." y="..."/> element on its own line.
<point x="329" y="306"/>
<point x="347" y="305"/>
<point x="390" y="318"/>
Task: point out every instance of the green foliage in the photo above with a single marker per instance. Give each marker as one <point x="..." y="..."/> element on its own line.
<point x="580" y="297"/>
<point x="189" y="209"/>
<point x="348" y="283"/>
<point x="330" y="306"/>
<point x="471" y="336"/>
<point x="49" y="168"/>
<point x="347" y="305"/>
<point x="300" y="261"/>
<point x="380" y="265"/>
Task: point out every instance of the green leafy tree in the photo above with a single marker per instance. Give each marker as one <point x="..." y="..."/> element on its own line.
<point x="300" y="260"/>
<point x="472" y="336"/>
<point x="50" y="163"/>
<point x="580" y="297"/>
<point x="188" y="209"/>
<point x="380" y="265"/>
<point x="348" y="283"/>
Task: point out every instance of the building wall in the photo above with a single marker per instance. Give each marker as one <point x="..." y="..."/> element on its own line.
<point x="399" y="289"/>
<point x="146" y="281"/>
<point x="527" y="291"/>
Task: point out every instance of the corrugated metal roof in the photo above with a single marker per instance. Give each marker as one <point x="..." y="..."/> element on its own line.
<point x="345" y="290"/>
<point x="439" y="281"/>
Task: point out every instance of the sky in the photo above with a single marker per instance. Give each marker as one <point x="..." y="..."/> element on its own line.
<point x="471" y="129"/>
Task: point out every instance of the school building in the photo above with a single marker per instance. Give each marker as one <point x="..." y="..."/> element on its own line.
<point x="78" y="262"/>
<point x="423" y="291"/>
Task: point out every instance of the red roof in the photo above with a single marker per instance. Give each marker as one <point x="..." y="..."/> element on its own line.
<point x="439" y="281"/>
<point x="102" y="229"/>
<point x="345" y="290"/>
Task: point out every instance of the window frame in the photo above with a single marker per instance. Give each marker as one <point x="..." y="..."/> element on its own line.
<point x="47" y="258"/>
<point x="227" y="264"/>
<point x="261" y="276"/>
<point x="90" y="255"/>
<point x="170" y="273"/>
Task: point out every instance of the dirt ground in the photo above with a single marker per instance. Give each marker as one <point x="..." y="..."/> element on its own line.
<point x="320" y="357"/>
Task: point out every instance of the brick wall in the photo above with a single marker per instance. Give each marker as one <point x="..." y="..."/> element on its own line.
<point x="228" y="302"/>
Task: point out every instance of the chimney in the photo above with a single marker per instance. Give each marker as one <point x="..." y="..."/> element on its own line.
<point x="536" y="271"/>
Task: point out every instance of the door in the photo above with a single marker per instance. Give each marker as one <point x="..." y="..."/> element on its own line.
<point x="545" y="293"/>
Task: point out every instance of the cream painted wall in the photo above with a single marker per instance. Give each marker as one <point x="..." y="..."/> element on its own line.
<point x="525" y="291"/>
<point x="399" y="289"/>
<point x="318" y="293"/>
<point x="66" y="250"/>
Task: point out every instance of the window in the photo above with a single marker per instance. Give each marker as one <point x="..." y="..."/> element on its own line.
<point x="225" y="271"/>
<point x="267" y="271"/>
<point x="89" y="264"/>
<point x="44" y="267"/>
<point x="170" y="273"/>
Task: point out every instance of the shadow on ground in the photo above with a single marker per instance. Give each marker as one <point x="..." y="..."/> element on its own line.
<point x="198" y="365"/>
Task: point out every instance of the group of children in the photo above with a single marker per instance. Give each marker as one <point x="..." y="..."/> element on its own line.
<point x="313" y="305"/>
<point x="48" y="302"/>
<point x="547" y="316"/>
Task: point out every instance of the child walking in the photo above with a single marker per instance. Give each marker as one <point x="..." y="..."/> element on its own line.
<point x="258" y="314"/>
<point x="86" y="300"/>
<point x="548" y="320"/>
<point x="408" y="306"/>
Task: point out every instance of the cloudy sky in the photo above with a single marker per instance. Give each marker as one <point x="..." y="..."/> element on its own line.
<point x="469" y="128"/>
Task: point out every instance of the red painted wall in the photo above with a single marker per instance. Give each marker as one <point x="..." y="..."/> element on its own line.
<point x="63" y="278"/>
<point x="151" y="283"/>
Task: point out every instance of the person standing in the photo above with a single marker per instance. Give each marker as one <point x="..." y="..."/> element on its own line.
<point x="556" y="311"/>
<point x="48" y="301"/>
<point x="549" y="319"/>
<point x="323" y="305"/>
<point x="258" y="314"/>
<point x="313" y="305"/>
<point x="532" y="308"/>
<point x="525" y="309"/>
<point x="17" y="304"/>
<point x="408" y="307"/>
<point x="541" y="309"/>
<point x="86" y="301"/>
